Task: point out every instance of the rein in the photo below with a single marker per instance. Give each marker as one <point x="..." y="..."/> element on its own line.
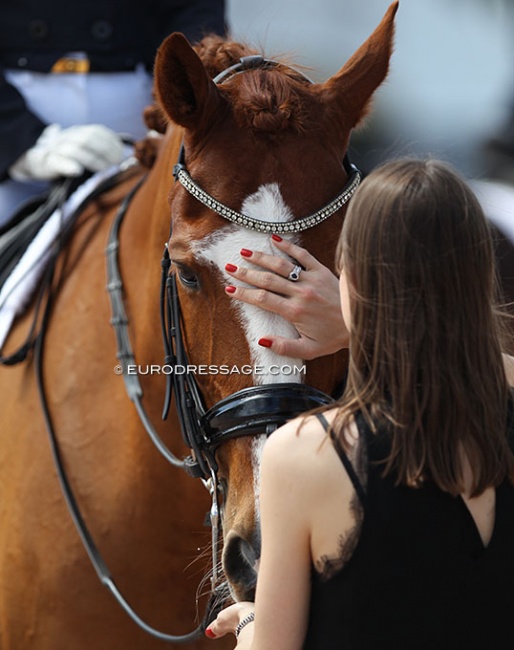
<point x="35" y="341"/>
<point x="119" y="322"/>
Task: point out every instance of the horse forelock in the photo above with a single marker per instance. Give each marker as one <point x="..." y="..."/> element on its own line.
<point x="266" y="100"/>
<point x="222" y="246"/>
<point x="271" y="101"/>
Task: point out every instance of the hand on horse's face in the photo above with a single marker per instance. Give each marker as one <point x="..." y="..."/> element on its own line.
<point x="310" y="303"/>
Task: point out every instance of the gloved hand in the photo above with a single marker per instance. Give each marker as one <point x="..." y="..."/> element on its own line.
<point x="68" y="152"/>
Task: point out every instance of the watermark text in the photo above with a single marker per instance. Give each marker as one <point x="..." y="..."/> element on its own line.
<point x="204" y="369"/>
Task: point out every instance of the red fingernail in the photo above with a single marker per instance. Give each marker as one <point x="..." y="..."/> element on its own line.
<point x="230" y="268"/>
<point x="245" y="252"/>
<point x="265" y="343"/>
<point x="210" y="633"/>
<point x="230" y="289"/>
<point x="276" y="237"/>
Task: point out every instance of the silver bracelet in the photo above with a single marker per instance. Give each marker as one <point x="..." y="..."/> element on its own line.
<point x="245" y="621"/>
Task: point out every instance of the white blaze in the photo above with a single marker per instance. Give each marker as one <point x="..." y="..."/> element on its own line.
<point x="257" y="449"/>
<point x="223" y="247"/>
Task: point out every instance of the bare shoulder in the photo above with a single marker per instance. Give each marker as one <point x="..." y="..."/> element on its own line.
<point x="298" y="435"/>
<point x="302" y="465"/>
<point x="300" y="446"/>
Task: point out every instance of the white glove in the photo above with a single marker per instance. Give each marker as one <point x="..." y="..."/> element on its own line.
<point x="68" y="152"/>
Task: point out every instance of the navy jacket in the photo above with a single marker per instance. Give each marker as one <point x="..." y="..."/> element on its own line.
<point x="116" y="34"/>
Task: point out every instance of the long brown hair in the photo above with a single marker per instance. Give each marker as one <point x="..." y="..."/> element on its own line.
<point x="425" y="348"/>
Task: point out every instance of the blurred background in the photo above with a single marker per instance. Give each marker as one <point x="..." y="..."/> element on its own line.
<point x="450" y="91"/>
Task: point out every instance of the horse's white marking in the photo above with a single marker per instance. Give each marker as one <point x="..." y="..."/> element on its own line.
<point x="223" y="247"/>
<point x="257" y="448"/>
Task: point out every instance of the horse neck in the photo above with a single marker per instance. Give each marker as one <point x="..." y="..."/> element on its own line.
<point x="147" y="223"/>
<point x="144" y="232"/>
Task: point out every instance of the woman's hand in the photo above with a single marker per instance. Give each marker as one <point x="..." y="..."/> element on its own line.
<point x="227" y="621"/>
<point x="311" y="303"/>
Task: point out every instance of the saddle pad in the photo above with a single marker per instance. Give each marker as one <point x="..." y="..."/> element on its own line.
<point x="18" y="288"/>
<point x="15" y="239"/>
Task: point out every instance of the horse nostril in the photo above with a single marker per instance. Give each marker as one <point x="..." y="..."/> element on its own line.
<point x="239" y="562"/>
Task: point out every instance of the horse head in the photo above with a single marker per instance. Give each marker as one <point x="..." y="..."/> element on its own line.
<point x="268" y="144"/>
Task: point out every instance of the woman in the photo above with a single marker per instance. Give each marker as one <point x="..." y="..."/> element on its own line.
<point x="388" y="521"/>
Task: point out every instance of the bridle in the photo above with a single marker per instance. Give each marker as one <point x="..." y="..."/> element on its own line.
<point x="248" y="412"/>
<point x="257" y="410"/>
<point x="182" y="175"/>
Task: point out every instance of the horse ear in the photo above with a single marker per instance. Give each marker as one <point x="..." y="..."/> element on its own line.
<point x="182" y="84"/>
<point x="349" y="91"/>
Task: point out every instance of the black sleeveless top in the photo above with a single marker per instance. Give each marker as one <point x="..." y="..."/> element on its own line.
<point x="420" y="577"/>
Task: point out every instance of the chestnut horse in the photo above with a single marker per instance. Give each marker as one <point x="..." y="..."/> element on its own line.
<point x="266" y="143"/>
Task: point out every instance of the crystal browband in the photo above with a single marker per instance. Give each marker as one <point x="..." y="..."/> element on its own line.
<point x="240" y="219"/>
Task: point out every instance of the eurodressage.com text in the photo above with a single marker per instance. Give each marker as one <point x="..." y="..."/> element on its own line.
<point x="154" y="369"/>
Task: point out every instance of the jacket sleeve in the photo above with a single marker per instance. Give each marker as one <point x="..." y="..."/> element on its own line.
<point x="194" y="18"/>
<point x="19" y="128"/>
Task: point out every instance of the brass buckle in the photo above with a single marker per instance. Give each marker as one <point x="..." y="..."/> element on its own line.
<point x="71" y="66"/>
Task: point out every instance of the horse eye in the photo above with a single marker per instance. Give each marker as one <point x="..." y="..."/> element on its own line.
<point x="187" y="277"/>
